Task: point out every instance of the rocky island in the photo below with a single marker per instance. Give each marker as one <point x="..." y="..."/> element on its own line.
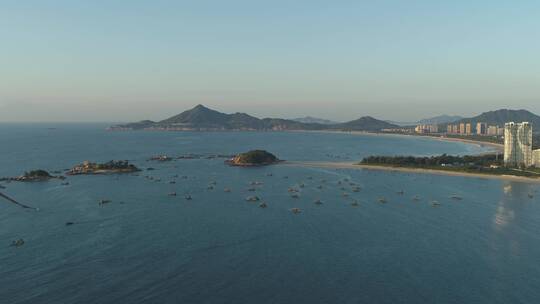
<point x="32" y="176"/>
<point x="111" y="167"/>
<point x="253" y="158"/>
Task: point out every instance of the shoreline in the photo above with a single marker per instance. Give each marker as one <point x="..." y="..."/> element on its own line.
<point x="351" y="165"/>
<point x="498" y="147"/>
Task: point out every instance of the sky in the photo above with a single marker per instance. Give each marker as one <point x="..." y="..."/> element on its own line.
<point x="399" y="60"/>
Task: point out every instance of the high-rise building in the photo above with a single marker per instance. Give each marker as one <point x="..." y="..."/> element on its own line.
<point x="481" y="128"/>
<point x="455" y="129"/>
<point x="492" y="130"/>
<point x="426" y="128"/>
<point x="449" y="129"/>
<point x="462" y="128"/>
<point x="518" y="144"/>
<point x="536" y="158"/>
<point x="468" y="128"/>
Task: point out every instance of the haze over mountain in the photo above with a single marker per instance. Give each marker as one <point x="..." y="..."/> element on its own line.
<point x="310" y="119"/>
<point x="441" y="119"/>
<point x="203" y="118"/>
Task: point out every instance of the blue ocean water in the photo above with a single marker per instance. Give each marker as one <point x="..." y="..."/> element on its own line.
<point x="148" y="247"/>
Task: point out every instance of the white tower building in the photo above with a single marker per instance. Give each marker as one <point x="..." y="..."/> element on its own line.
<point x="518" y="144"/>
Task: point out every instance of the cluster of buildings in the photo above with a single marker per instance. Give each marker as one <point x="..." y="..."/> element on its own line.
<point x="481" y="128"/>
<point x="464" y="128"/>
<point x="426" y="128"/>
<point x="518" y="145"/>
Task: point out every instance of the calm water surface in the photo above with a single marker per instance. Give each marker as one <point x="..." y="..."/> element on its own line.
<point x="148" y="247"/>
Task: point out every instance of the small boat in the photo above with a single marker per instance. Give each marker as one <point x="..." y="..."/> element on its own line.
<point x="319" y="187"/>
<point x="295" y="195"/>
<point x="227" y="190"/>
<point x="213" y="183"/>
<point x="416" y="198"/>
<point x="318" y="202"/>
<point x="301" y="185"/>
<point x="400" y="192"/>
<point x="172" y="194"/>
<point x="172" y="182"/>
<point x="382" y="200"/>
<point x="17" y="243"/>
<point x="269" y="174"/>
<point x="296" y="210"/>
<point x="263" y="205"/>
<point x="210" y="187"/>
<point x="530" y="195"/>
<point x="252" y="199"/>
<point x="356" y="189"/>
<point x="292" y="190"/>
<point x="345" y="194"/>
<point x="252" y="189"/>
<point x="354" y="203"/>
<point x="455" y="197"/>
<point x="104" y="201"/>
<point x="435" y="204"/>
<point x="187" y="197"/>
<point x="65" y="184"/>
<point x="69" y="223"/>
<point x="309" y="177"/>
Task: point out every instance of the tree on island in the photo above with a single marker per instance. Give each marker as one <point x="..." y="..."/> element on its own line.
<point x="254" y="158"/>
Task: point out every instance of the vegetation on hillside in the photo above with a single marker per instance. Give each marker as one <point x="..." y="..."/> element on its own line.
<point x="254" y="157"/>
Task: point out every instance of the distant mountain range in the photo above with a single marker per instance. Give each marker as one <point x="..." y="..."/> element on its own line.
<point x="203" y="118"/>
<point x="500" y="117"/>
<point x="440" y="119"/>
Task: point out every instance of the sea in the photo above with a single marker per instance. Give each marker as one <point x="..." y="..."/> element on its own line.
<point x="377" y="237"/>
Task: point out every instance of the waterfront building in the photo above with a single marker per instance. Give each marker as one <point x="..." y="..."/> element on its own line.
<point x="536" y="158"/>
<point x="468" y="129"/>
<point x="500" y="131"/>
<point x="481" y="128"/>
<point x="462" y="128"/>
<point x="455" y="129"/>
<point x="424" y="128"/>
<point x="449" y="129"/>
<point x="492" y="130"/>
<point x="518" y="144"/>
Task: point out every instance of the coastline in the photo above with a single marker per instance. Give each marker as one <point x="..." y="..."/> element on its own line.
<point x="498" y="147"/>
<point x="351" y="165"/>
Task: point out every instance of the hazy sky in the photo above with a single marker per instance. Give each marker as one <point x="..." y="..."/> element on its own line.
<point x="401" y="60"/>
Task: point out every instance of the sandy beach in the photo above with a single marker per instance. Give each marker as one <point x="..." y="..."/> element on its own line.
<point x="352" y="165"/>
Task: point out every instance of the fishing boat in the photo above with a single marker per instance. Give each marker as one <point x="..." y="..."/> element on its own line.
<point x="104" y="201"/>
<point x="296" y="210"/>
<point x="382" y="200"/>
<point x="263" y="205"/>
